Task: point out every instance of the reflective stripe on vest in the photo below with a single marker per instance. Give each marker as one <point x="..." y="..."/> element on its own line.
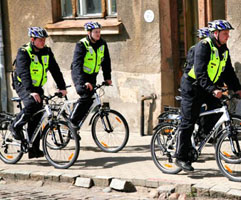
<point x="215" y="66"/>
<point x="38" y="71"/>
<point x="92" y="61"/>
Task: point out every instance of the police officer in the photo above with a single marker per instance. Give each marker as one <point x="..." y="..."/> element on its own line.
<point x="212" y="64"/>
<point x="91" y="53"/>
<point x="33" y="61"/>
<point x="201" y="34"/>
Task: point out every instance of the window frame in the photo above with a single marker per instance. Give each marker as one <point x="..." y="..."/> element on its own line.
<point x="78" y="13"/>
<point x="75" y="26"/>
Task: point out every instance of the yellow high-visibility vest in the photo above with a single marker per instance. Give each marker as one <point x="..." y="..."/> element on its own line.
<point x="38" y="71"/>
<point x="215" y="65"/>
<point x="92" y="60"/>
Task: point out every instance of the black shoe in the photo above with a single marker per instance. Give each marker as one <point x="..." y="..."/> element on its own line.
<point x="31" y="154"/>
<point x="185" y="165"/>
<point x="35" y="154"/>
<point x="39" y="154"/>
<point x="16" y="135"/>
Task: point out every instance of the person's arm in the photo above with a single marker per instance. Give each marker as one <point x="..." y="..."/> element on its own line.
<point x="77" y="73"/>
<point x="22" y="69"/>
<point x="230" y="78"/>
<point x="201" y="60"/>
<point x="106" y="64"/>
<point x="55" y="71"/>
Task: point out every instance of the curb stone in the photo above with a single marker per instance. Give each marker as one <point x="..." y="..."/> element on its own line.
<point x="122" y="185"/>
<point x="83" y="182"/>
<point x="102" y="181"/>
<point x="219" y="191"/>
<point x="202" y="189"/>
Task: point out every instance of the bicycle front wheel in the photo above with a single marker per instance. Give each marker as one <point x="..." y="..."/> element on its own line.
<point x="60" y="145"/>
<point x="163" y="147"/>
<point x="228" y="155"/>
<point x="10" y="149"/>
<point x="110" y="131"/>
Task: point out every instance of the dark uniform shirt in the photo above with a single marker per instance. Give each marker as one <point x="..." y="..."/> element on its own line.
<point x="23" y="62"/>
<point x="201" y="60"/>
<point x="78" y="75"/>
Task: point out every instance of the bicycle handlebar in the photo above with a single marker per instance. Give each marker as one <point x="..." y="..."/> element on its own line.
<point x="226" y="98"/>
<point x="59" y="94"/>
<point x="101" y="85"/>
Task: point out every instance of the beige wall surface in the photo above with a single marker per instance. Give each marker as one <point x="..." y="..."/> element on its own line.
<point x="135" y="52"/>
<point x="234" y="43"/>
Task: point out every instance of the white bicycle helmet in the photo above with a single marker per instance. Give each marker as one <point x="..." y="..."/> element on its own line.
<point x="37" y="32"/>
<point x="89" y="26"/>
<point x="203" y="32"/>
<point x="219" y="25"/>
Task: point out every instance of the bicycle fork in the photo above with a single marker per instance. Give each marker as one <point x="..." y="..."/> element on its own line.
<point x="106" y="122"/>
<point x="233" y="139"/>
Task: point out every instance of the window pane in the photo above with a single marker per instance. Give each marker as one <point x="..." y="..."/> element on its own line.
<point x="66" y="8"/>
<point x="113" y="4"/>
<point x="93" y="6"/>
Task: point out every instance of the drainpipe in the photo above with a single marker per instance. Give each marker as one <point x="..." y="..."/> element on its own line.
<point x="2" y="69"/>
<point x="150" y="118"/>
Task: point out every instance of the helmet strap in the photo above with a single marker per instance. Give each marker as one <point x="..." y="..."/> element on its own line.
<point x="32" y="42"/>
<point x="91" y="38"/>
<point x="217" y="39"/>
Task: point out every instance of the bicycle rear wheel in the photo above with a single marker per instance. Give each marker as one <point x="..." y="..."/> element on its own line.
<point x="110" y="131"/>
<point x="60" y="145"/>
<point x="163" y="147"/>
<point x="228" y="155"/>
<point x="10" y="149"/>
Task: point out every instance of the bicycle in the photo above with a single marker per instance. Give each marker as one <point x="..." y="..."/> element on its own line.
<point x="110" y="130"/>
<point x="60" y="144"/>
<point x="226" y="131"/>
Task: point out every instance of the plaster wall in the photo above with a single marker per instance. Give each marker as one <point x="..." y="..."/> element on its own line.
<point x="234" y="42"/>
<point x="135" y="52"/>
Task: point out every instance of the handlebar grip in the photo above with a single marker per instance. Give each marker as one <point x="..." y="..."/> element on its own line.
<point x="58" y="94"/>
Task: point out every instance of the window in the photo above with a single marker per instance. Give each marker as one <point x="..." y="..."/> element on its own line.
<point x="88" y="8"/>
<point x="65" y="13"/>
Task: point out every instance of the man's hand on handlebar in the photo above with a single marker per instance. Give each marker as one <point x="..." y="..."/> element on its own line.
<point x="89" y="86"/>
<point x="36" y="97"/>
<point x="109" y="82"/>
<point x="64" y="92"/>
<point x="218" y="93"/>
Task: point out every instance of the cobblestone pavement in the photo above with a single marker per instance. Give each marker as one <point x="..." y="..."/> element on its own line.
<point x="133" y="163"/>
<point x="53" y="191"/>
<point x="24" y="190"/>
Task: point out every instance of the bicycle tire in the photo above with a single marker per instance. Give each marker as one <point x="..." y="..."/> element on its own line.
<point x="236" y="123"/>
<point x="10" y="149"/>
<point x="67" y="150"/>
<point x="163" y="147"/>
<point x="230" y="168"/>
<point x="115" y="137"/>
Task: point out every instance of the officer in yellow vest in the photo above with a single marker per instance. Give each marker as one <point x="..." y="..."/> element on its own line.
<point x="33" y="61"/>
<point x="91" y="53"/>
<point x="212" y="65"/>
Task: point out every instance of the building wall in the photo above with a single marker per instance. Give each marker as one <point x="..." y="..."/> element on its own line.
<point x="234" y="43"/>
<point x="135" y="53"/>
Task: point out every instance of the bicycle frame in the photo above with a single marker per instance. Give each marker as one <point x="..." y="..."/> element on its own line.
<point x="93" y="108"/>
<point x="213" y="133"/>
<point x="46" y="114"/>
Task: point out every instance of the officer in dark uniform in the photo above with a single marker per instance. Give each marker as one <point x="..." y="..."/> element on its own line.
<point x="212" y="64"/>
<point x="201" y="34"/>
<point x="33" y="61"/>
<point x="91" y="53"/>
